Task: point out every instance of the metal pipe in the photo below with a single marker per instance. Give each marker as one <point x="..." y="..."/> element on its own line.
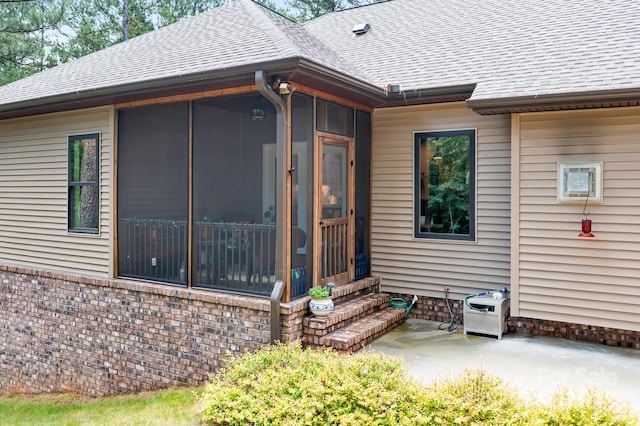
<point x="276" y="295"/>
<point x="281" y="201"/>
<point x="281" y="176"/>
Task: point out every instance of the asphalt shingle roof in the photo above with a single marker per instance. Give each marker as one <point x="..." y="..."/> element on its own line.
<point x="237" y="34"/>
<point x="506" y="48"/>
<point x="509" y="48"/>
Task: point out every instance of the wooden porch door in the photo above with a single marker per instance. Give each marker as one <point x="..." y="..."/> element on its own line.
<point x="334" y="209"/>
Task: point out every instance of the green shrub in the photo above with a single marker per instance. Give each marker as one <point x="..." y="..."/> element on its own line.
<point x="592" y="408"/>
<point x="288" y="385"/>
<point x="476" y="397"/>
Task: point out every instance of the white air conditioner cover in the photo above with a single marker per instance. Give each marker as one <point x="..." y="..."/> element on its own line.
<point x="490" y="319"/>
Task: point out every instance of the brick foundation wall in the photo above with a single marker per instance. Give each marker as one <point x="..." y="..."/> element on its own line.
<point x="588" y="333"/>
<point x="435" y="309"/>
<point x="291" y="318"/>
<point x="61" y="333"/>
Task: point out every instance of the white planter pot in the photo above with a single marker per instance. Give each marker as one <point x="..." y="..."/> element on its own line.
<point x="321" y="307"/>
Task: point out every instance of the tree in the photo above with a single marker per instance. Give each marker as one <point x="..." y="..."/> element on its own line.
<point x="170" y="11"/>
<point x="92" y="25"/>
<point x="38" y="34"/>
<point x="449" y="186"/>
<point x="96" y="24"/>
<point x="24" y="41"/>
<point x="304" y="10"/>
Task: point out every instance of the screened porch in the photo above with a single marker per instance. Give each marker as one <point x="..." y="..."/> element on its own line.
<point x="197" y="190"/>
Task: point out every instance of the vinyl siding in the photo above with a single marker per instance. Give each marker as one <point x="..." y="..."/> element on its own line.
<point x="33" y="193"/>
<point x="425" y="266"/>
<point x="562" y="277"/>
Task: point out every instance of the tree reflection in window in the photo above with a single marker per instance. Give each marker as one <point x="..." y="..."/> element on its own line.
<point x="83" y="183"/>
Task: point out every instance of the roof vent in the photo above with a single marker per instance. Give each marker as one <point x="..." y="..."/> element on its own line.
<point x="393" y="88"/>
<point x="361" y="28"/>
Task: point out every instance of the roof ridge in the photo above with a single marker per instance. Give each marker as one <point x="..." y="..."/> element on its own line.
<point x="257" y="12"/>
<point x="260" y="14"/>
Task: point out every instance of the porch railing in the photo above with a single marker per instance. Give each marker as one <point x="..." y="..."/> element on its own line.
<point x="335" y="251"/>
<point x="153" y="249"/>
<point x="228" y="256"/>
<point x="235" y="256"/>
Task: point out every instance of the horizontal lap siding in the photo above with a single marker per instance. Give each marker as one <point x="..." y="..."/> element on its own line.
<point x="33" y="193"/>
<point x="421" y="266"/>
<point x="563" y="277"/>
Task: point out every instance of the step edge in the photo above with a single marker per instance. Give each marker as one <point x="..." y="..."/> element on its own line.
<point x="350" y="309"/>
<point x="384" y="322"/>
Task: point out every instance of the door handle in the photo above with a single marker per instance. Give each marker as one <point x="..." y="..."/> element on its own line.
<point x="321" y="222"/>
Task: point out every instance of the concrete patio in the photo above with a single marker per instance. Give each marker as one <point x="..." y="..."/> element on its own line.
<point x="537" y="365"/>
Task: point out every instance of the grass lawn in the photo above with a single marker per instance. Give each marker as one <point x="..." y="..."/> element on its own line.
<point x="168" y="407"/>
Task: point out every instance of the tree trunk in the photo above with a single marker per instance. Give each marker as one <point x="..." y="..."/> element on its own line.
<point x="125" y="20"/>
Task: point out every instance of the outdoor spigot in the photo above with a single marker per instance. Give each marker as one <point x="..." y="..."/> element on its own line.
<point x="331" y="287"/>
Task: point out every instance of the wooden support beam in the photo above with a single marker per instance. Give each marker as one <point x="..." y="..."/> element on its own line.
<point x="329" y="97"/>
<point x="189" y="96"/>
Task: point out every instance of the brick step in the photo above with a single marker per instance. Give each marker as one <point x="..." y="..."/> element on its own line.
<point x="357" y="335"/>
<point x="346" y="292"/>
<point x="345" y="313"/>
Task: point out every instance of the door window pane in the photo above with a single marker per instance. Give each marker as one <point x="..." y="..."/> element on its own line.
<point x="334" y="181"/>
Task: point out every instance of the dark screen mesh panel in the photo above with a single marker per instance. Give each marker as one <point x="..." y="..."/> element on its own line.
<point x="153" y="149"/>
<point x="334" y="118"/>
<point x="301" y="194"/>
<point x="234" y="194"/>
<point x="363" y="194"/>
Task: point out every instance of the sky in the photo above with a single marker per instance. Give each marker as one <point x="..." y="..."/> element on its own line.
<point x="280" y="3"/>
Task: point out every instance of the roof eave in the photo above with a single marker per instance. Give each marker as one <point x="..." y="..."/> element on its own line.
<point x="290" y="68"/>
<point x="368" y="93"/>
<point x="429" y="95"/>
<point x="556" y="102"/>
<point x="377" y="96"/>
<point x="105" y="95"/>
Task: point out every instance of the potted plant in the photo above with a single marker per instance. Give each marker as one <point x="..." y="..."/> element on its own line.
<point x="321" y="304"/>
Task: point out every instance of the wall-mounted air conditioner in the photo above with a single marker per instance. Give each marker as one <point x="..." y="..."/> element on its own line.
<point x="578" y="182"/>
